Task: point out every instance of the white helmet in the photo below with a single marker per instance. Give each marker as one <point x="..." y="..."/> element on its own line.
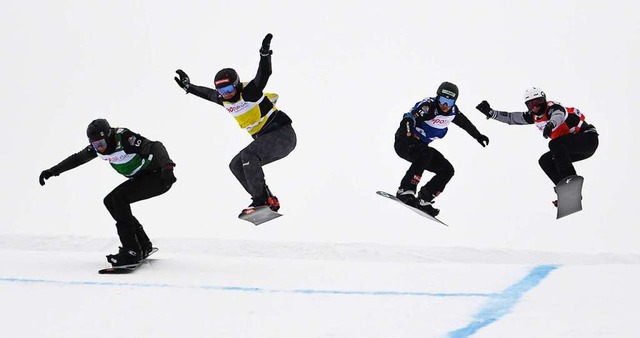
<point x="533" y="93"/>
<point x="534" y="96"/>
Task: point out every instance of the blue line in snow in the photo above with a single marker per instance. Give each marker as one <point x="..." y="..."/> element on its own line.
<point x="501" y="304"/>
<point x="246" y="289"/>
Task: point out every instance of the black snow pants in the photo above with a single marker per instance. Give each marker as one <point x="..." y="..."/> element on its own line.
<point x="246" y="166"/>
<point x="423" y="157"/>
<point x="118" y="202"/>
<point x="557" y="163"/>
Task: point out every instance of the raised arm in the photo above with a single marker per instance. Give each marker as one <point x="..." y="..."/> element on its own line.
<point x="206" y="93"/>
<point x="264" y="68"/>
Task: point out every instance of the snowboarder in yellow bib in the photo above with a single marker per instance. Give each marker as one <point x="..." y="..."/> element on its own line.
<point x="255" y="111"/>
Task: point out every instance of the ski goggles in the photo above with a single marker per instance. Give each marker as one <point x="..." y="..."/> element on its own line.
<point x="226" y="90"/>
<point x="442" y="100"/>
<point x="99" y="145"/>
<point x="535" y="103"/>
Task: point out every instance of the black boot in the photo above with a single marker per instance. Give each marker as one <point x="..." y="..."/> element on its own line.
<point x="407" y="197"/>
<point x="125" y="258"/>
<point x="425" y="203"/>
<point x="427" y="207"/>
<point x="265" y="199"/>
<point x="145" y="243"/>
<point x="128" y="233"/>
<point x="272" y="201"/>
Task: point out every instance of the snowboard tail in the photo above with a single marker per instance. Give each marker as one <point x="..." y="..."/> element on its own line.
<point x="416" y="210"/>
<point x="569" y="191"/>
<point x="259" y="215"/>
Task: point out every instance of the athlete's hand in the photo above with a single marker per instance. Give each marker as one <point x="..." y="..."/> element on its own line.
<point x="183" y="81"/>
<point x="483" y="140"/>
<point x="45" y="175"/>
<point x="484" y="108"/>
<point x="265" y="49"/>
<point x="548" y="129"/>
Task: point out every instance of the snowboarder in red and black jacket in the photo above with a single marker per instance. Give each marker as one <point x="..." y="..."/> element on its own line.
<point x="572" y="139"/>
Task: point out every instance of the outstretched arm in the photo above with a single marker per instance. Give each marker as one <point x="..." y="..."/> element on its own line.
<point x="83" y="156"/>
<point x="206" y="93"/>
<point x="505" y="117"/>
<point x="519" y="118"/>
<point x="203" y="92"/>
<point x="463" y="122"/>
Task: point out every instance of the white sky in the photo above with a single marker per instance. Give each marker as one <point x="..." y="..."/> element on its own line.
<point x="345" y="71"/>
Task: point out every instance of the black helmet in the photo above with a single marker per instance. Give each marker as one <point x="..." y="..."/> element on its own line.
<point x="98" y="129"/>
<point x="448" y="90"/>
<point x="225" y="77"/>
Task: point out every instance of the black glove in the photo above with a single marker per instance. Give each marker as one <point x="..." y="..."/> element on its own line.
<point x="408" y="125"/>
<point x="484" y="108"/>
<point x="265" y="50"/>
<point x="183" y="81"/>
<point x="166" y="175"/>
<point x="548" y="129"/>
<point x="45" y="175"/>
<point x="483" y="140"/>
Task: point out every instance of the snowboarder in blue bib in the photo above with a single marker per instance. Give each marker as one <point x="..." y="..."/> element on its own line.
<point x="426" y="122"/>
<point x="148" y="168"/>
<point x="256" y="112"/>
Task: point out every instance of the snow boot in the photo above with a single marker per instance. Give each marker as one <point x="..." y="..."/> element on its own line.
<point x="125" y="258"/>
<point x="427" y="206"/>
<point x="407" y="197"/>
<point x="145" y="243"/>
<point x="266" y="199"/>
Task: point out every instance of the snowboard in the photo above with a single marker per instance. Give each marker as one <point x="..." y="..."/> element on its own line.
<point x="569" y="191"/>
<point x="125" y="269"/>
<point x="416" y="210"/>
<point x="259" y="215"/>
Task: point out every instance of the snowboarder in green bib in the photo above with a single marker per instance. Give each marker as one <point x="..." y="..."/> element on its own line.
<point x="149" y="169"/>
